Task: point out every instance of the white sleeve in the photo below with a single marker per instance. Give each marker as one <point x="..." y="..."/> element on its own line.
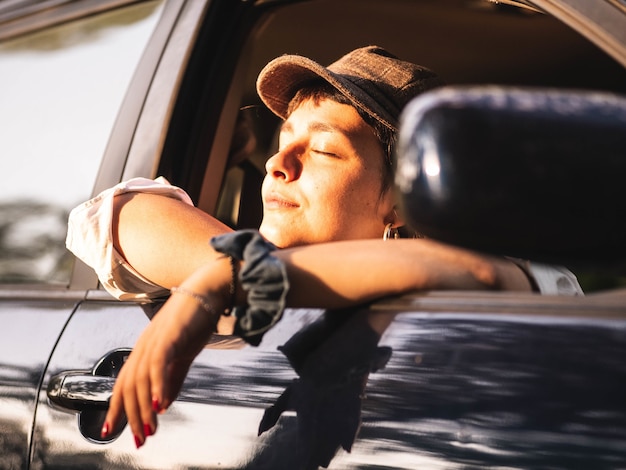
<point x="550" y="279"/>
<point x="554" y="280"/>
<point x="90" y="238"/>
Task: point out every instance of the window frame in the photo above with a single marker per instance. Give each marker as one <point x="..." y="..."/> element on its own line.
<point x="597" y="21"/>
<point x="28" y="16"/>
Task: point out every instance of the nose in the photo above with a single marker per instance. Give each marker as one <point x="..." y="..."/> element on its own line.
<point x="285" y="164"/>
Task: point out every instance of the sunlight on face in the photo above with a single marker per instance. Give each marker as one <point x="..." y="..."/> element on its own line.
<point x="325" y="181"/>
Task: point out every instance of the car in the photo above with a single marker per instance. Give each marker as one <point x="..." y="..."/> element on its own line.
<point x="94" y="93"/>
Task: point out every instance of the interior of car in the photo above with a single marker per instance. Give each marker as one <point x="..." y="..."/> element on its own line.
<point x="468" y="42"/>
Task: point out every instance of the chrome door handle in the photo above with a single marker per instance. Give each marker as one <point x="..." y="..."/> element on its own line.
<point x="78" y="391"/>
<point x="87" y="392"/>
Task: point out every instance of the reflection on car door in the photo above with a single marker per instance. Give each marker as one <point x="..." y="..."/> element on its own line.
<point x="29" y="331"/>
<point x="214" y="423"/>
<point x="455" y="382"/>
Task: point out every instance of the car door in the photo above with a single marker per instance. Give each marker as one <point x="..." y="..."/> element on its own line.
<point x="459" y="380"/>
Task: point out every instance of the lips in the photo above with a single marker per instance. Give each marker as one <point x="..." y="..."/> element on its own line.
<point x="275" y="200"/>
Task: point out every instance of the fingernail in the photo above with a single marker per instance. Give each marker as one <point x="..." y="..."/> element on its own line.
<point x="147" y="430"/>
<point x="138" y="442"/>
<point x="104" y="432"/>
<point x="156" y="405"/>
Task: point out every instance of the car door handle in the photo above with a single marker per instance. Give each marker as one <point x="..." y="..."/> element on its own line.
<point x="87" y="392"/>
<point x="78" y="391"/>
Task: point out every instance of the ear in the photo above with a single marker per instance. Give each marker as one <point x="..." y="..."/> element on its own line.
<point x="396" y="219"/>
<point x="389" y="210"/>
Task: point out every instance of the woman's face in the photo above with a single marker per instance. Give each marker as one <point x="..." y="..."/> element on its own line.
<point x="325" y="182"/>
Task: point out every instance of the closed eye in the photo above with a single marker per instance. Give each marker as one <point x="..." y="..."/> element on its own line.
<point x="326" y="154"/>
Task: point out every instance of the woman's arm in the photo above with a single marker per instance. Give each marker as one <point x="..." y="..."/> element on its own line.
<point x="163" y="238"/>
<point x="342" y="274"/>
<point x="330" y="275"/>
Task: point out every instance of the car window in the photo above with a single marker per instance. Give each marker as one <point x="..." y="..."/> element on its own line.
<point x="60" y="90"/>
<point x="475" y="44"/>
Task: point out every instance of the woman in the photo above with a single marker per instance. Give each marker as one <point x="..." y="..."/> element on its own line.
<point x="327" y="202"/>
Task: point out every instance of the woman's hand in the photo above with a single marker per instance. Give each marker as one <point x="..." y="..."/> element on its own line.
<point x="155" y="370"/>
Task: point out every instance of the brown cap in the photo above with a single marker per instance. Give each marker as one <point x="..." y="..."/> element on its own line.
<point x="374" y="80"/>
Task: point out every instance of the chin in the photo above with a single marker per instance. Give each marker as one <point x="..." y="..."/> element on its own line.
<point x="275" y="236"/>
<point x="281" y="238"/>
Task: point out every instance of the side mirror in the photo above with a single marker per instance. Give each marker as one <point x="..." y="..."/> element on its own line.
<point x="536" y="174"/>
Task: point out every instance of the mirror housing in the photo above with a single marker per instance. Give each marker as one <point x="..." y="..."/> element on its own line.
<point x="538" y="174"/>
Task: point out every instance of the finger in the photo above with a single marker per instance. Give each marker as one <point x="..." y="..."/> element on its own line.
<point x="115" y="412"/>
<point x="158" y="379"/>
<point x="132" y="409"/>
<point x="125" y="394"/>
<point x="144" y="407"/>
<point x="149" y="387"/>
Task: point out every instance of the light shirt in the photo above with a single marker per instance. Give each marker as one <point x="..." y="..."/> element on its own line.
<point x="90" y="238"/>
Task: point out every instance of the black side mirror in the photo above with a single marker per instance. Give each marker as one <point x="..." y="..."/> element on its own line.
<point x="536" y="174"/>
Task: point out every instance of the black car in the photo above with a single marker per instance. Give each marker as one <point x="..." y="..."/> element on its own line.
<point x="96" y="92"/>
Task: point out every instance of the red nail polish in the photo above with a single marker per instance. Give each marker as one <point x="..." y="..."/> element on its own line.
<point x="147" y="430"/>
<point x="156" y="405"/>
<point x="138" y="442"/>
<point x="105" y="430"/>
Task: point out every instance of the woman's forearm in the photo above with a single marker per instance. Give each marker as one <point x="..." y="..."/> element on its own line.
<point x="341" y="274"/>
<point x="344" y="274"/>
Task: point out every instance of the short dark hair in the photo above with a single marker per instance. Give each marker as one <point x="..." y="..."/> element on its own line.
<point x="320" y="89"/>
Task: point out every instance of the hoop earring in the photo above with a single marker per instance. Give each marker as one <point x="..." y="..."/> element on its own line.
<point x="390" y="232"/>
